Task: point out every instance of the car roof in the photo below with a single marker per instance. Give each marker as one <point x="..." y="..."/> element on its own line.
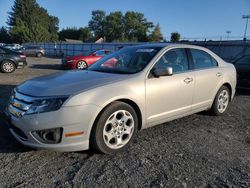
<point x="163" y="45"/>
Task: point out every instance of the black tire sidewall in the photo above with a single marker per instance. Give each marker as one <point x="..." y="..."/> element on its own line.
<point x="214" y="110"/>
<point x="7" y="61"/>
<point x="97" y="140"/>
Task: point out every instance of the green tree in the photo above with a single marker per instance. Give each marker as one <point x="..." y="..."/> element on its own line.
<point x="4" y="35"/>
<point x="114" y="27"/>
<point x="133" y="26"/>
<point x="31" y="23"/>
<point x="156" y="35"/>
<point x="69" y="33"/>
<point x="85" y="34"/>
<point x="136" y="26"/>
<point x="175" y="37"/>
<point x="97" y="23"/>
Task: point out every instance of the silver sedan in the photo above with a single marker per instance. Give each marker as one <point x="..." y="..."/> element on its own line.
<point x="132" y="89"/>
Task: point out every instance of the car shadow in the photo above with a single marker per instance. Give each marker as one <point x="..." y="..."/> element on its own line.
<point x="47" y="66"/>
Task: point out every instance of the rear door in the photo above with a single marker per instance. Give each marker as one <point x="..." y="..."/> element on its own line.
<point x="208" y="77"/>
<point x="168" y="97"/>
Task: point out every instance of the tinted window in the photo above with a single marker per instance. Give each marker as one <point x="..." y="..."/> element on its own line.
<point x="176" y="59"/>
<point x="202" y="59"/>
<point x="244" y="61"/>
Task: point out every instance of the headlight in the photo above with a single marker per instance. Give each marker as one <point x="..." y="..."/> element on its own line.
<point x="46" y="105"/>
<point x="71" y="61"/>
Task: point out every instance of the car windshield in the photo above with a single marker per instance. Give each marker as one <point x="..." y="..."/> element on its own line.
<point x="126" y="61"/>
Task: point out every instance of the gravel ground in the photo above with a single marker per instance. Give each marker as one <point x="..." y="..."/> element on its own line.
<point x="195" y="151"/>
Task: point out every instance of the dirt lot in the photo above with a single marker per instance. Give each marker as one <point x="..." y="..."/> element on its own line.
<point x="195" y="151"/>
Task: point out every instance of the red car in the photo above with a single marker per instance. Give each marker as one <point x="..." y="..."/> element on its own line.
<point x="83" y="62"/>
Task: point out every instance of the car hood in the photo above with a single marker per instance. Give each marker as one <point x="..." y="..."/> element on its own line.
<point x="67" y="83"/>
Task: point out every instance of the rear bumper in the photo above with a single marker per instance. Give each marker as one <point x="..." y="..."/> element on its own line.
<point x="21" y="64"/>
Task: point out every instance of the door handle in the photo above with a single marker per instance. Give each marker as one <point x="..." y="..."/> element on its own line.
<point x="218" y="74"/>
<point x="188" y="80"/>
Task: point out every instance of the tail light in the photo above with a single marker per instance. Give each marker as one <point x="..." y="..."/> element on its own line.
<point x="22" y="56"/>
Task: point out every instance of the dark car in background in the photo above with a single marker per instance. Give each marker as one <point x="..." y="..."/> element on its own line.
<point x="242" y="66"/>
<point x="11" y="60"/>
<point x="32" y="51"/>
<point x="84" y="61"/>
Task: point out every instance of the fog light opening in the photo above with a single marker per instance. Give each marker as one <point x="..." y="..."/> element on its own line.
<point x="49" y="136"/>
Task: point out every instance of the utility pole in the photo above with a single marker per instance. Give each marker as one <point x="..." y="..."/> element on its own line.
<point x="228" y="32"/>
<point x="245" y="33"/>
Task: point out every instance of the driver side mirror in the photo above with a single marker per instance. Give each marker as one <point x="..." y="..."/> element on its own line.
<point x="94" y="54"/>
<point x="158" y="72"/>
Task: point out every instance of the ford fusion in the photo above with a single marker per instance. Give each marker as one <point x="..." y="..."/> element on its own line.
<point x="129" y="90"/>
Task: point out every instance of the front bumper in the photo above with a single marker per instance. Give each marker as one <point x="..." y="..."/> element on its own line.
<point x="70" y="119"/>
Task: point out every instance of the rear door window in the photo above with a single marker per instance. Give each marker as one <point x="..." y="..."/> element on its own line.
<point x="202" y="59"/>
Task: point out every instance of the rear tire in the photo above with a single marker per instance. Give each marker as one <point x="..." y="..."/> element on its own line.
<point x="221" y="102"/>
<point x="39" y="54"/>
<point x="8" y="66"/>
<point x="114" y="128"/>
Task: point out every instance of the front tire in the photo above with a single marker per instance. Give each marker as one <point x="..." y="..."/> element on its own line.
<point x="81" y="65"/>
<point x="8" y="66"/>
<point x="221" y="102"/>
<point x="114" y="128"/>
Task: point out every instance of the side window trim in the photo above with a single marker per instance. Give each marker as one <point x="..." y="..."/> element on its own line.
<point x="190" y="59"/>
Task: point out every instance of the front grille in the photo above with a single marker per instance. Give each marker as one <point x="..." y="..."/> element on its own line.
<point x="19" y="104"/>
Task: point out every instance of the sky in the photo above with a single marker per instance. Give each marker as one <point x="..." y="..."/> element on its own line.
<point x="191" y="18"/>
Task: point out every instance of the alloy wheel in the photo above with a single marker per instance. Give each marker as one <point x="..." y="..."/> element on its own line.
<point x="223" y="101"/>
<point x="118" y="129"/>
<point x="82" y="65"/>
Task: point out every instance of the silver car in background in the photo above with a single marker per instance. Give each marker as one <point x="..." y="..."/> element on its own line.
<point x="129" y="90"/>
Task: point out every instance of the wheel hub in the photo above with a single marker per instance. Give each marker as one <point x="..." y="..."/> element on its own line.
<point x="8" y="67"/>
